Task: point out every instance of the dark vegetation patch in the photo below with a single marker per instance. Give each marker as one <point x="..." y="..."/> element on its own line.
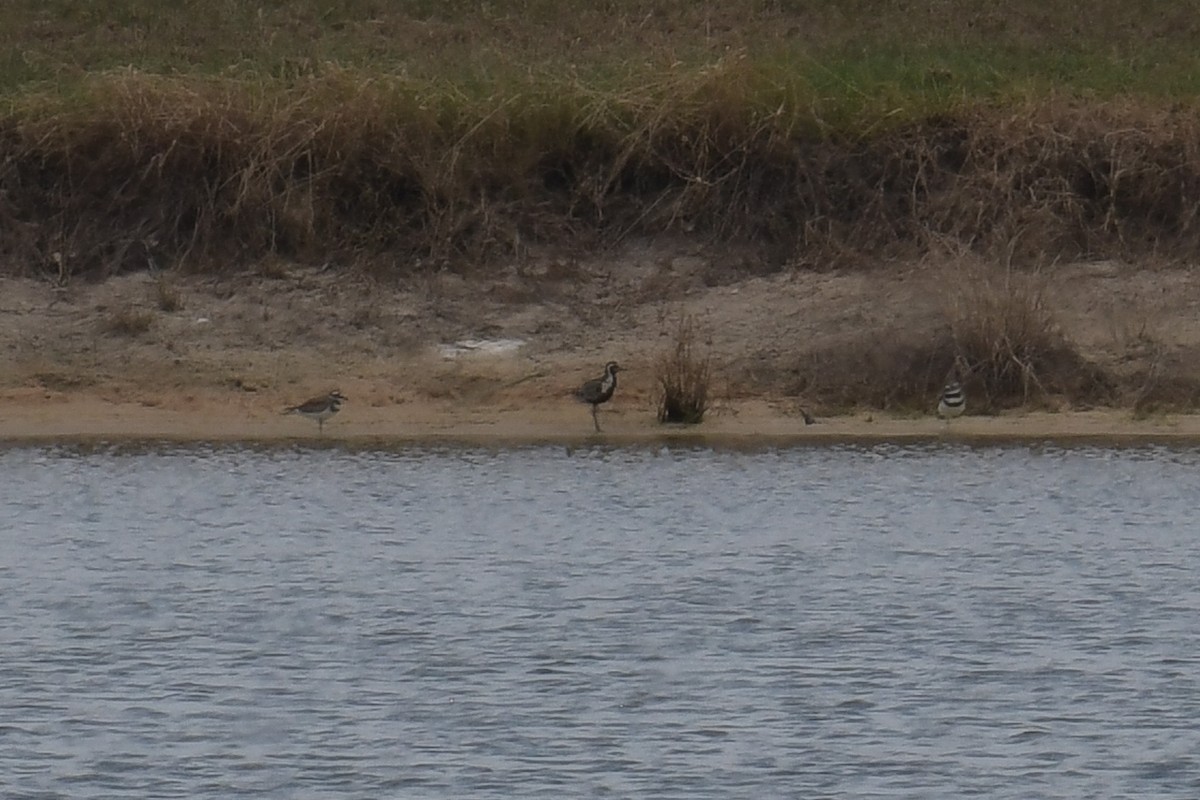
<point x="144" y="170"/>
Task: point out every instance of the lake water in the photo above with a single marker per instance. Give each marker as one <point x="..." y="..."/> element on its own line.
<point x="881" y="621"/>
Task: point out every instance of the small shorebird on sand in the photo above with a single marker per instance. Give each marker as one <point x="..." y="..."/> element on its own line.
<point x="319" y="408"/>
<point x="599" y="390"/>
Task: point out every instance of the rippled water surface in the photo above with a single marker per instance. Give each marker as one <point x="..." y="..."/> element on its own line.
<point x="828" y="622"/>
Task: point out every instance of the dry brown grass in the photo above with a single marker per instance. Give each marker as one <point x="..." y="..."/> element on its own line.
<point x="887" y="372"/>
<point x="1003" y="330"/>
<point x="1162" y="382"/>
<point x="129" y="321"/>
<point x="405" y="176"/>
<point x="413" y="135"/>
<point x="167" y="295"/>
<point x="684" y="376"/>
<point x="1008" y="349"/>
<point x="994" y="331"/>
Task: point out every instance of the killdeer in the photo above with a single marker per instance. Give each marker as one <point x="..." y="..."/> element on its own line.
<point x="599" y="390"/>
<point x="319" y="408"/>
<point x="952" y="402"/>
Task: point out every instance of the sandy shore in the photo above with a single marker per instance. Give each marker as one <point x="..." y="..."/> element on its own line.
<point x="76" y="418"/>
<point x="191" y="358"/>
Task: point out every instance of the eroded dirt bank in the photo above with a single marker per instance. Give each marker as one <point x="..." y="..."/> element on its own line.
<point x="218" y="357"/>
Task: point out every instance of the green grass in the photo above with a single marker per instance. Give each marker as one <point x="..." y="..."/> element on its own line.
<point x="851" y="54"/>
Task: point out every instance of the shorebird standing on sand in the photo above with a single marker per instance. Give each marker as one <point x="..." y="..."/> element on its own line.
<point x="599" y="390"/>
<point x="953" y="401"/>
<point x="319" y="408"/>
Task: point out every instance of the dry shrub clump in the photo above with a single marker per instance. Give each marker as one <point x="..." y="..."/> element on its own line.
<point x="1008" y="349"/>
<point x="1160" y="394"/>
<point x="1162" y="381"/>
<point x="994" y="331"/>
<point x="167" y="296"/>
<point x="684" y="376"/>
<point x="1003" y="331"/>
<point x="892" y="371"/>
<point x="129" y="321"/>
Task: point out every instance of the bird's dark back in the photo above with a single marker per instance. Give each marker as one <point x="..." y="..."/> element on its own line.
<point x="599" y="390"/>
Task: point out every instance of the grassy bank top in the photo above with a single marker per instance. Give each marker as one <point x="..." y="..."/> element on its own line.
<point x="922" y="52"/>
